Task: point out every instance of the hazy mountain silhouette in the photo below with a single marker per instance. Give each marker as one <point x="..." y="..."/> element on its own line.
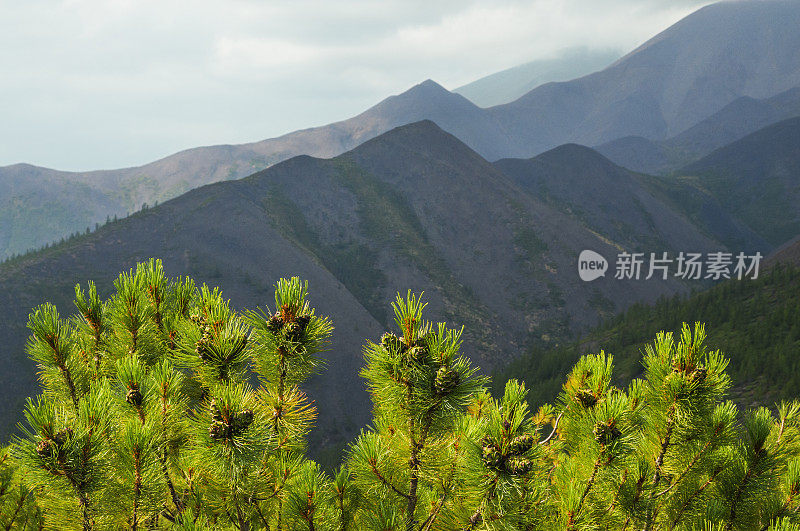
<point x="507" y="85"/>
<point x="632" y="210"/>
<point x="739" y="118"/>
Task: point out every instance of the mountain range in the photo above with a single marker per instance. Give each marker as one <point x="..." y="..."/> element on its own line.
<point x="414" y="208"/>
<point x="685" y="74"/>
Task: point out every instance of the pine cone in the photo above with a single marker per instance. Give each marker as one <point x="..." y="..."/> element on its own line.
<point x="518" y="465"/>
<point x="520" y="444"/>
<point x="293" y="331"/>
<point x="216" y="415"/>
<point x="303" y="321"/>
<point x="134" y="396"/>
<point x="50" y="447"/>
<point x="606" y="432"/>
<point x="490" y="453"/>
<point x="391" y="342"/>
<point x="275" y="323"/>
<point x="699" y="374"/>
<point x="61" y="437"/>
<point x="201" y="347"/>
<point x="46" y="449"/>
<point x="418" y="353"/>
<point x="405" y="346"/>
<point x="241" y="421"/>
<point x="446" y="380"/>
<point x="422" y="342"/>
<point x="586" y="397"/>
<point x="219" y="430"/>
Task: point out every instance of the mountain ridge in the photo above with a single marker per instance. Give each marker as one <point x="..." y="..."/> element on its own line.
<point x="412" y="209"/>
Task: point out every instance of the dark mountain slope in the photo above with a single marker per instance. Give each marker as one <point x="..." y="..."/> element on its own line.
<point x="736" y="120"/>
<point x="756" y="179"/>
<point x="414" y="208"/>
<point x="641" y="154"/>
<point x="635" y="211"/>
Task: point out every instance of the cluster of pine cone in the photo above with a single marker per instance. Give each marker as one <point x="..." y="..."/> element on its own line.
<point x="220" y="429"/>
<point x="446" y="378"/>
<point x="513" y="460"/>
<point x="54" y="446"/>
<point x="134" y="395"/>
<point x="695" y="373"/>
<point x="416" y="351"/>
<point x="201" y="347"/>
<point x="292" y="327"/>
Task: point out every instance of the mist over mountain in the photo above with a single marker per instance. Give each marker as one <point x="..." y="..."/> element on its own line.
<point x="677" y="78"/>
<point x="507" y="85"/>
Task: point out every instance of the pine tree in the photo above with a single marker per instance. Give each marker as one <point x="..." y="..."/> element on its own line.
<point x="420" y="387"/>
<point x="163" y="408"/>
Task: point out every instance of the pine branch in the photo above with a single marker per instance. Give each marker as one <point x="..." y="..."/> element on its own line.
<point x="658" y="464"/>
<point x="691" y="464"/>
<point x="137" y="488"/>
<point x="573" y="515"/>
<point x="20" y="503"/>
<point x="694" y="495"/>
<point x="739" y="491"/>
<point x="426" y="525"/>
<point x="170" y="484"/>
<point x="385" y="481"/>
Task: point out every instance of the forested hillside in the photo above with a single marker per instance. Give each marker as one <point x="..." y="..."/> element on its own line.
<point x="755" y="322"/>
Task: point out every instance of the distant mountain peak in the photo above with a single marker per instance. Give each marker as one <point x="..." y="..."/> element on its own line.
<point x="427" y="89"/>
<point x="572" y="153"/>
<point x="421" y="136"/>
<point x="429" y="84"/>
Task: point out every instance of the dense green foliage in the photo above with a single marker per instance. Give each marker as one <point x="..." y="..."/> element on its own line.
<point x="163" y="408"/>
<point x="756" y="322"/>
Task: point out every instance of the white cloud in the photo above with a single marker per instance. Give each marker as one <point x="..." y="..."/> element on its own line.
<point x="108" y="83"/>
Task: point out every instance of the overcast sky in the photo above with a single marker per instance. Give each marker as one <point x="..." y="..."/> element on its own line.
<point x="90" y="84"/>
